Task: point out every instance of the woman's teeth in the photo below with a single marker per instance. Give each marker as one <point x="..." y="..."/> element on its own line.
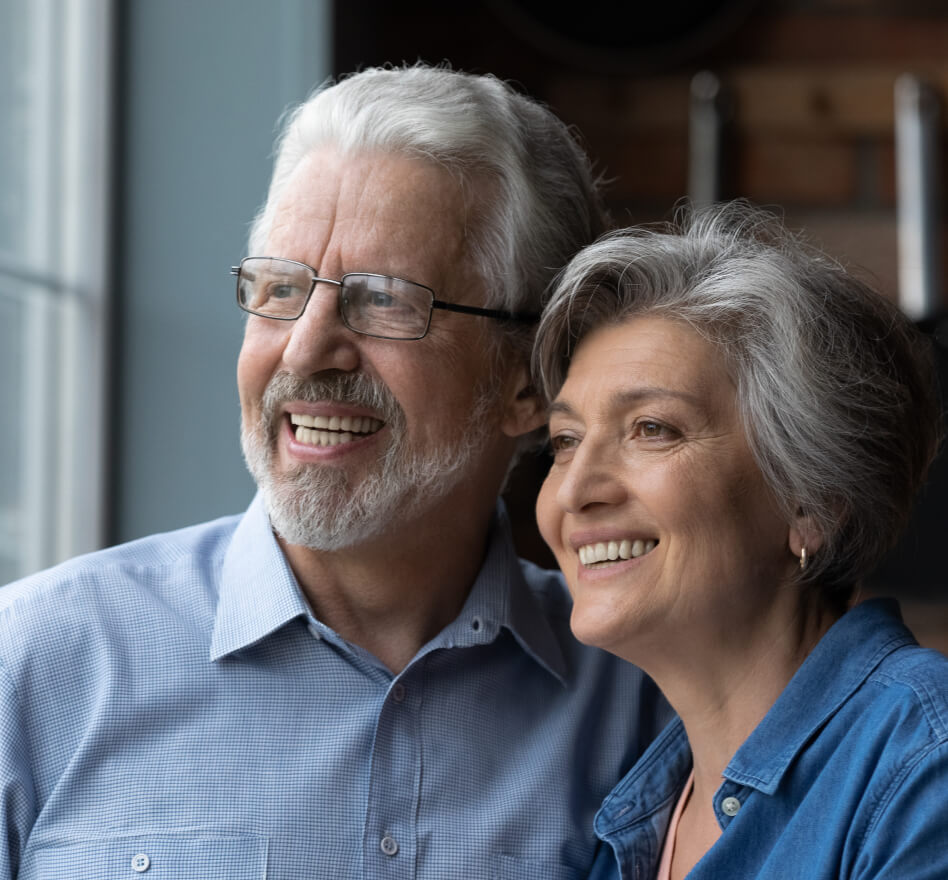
<point x="332" y="430"/>
<point x="612" y="551"/>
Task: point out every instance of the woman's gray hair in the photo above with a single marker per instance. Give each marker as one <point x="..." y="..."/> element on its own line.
<point x="533" y="199"/>
<point x="836" y="388"/>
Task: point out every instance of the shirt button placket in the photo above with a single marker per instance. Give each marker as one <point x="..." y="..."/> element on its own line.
<point x="394" y="785"/>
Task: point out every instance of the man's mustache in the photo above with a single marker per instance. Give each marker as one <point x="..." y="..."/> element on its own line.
<point x="355" y="389"/>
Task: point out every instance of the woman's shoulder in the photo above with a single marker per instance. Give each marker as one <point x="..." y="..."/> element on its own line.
<point x="915" y="679"/>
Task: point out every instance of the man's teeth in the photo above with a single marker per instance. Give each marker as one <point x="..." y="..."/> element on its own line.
<point x="611" y="551"/>
<point x="332" y="430"/>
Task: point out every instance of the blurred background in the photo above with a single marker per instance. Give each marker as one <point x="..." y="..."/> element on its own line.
<point x="135" y="148"/>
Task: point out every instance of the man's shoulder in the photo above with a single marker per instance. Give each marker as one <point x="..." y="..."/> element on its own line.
<point x="548" y="587"/>
<point x="104" y="581"/>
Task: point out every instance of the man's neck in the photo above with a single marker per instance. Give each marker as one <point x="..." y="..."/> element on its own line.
<point x="393" y="594"/>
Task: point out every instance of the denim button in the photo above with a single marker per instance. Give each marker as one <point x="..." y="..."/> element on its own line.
<point x="730" y="806"/>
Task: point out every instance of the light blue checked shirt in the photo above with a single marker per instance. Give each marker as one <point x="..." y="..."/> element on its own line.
<point x="171" y="709"/>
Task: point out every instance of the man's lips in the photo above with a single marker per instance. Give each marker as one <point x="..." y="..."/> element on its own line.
<point x="334" y="430"/>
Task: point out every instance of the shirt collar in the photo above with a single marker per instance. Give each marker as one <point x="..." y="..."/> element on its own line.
<point x="650" y="790"/>
<point x="259" y="594"/>
<point x="844" y="658"/>
<point x="501" y="599"/>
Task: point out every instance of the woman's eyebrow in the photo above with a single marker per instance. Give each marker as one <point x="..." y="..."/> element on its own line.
<point x="653" y="392"/>
<point x="560" y="407"/>
<point x="630" y="396"/>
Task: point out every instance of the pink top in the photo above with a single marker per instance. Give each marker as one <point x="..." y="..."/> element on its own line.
<point x="668" y="851"/>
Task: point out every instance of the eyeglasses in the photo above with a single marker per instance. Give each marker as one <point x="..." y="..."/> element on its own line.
<point x="373" y="305"/>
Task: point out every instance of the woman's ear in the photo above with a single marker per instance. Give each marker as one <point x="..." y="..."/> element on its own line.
<point x="804" y="536"/>
<point x="524" y="410"/>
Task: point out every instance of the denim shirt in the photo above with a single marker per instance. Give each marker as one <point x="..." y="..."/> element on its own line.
<point x="845" y="777"/>
<point x="173" y="709"/>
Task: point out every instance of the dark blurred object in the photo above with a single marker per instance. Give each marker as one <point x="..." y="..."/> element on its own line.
<point x="916" y="568"/>
<point x="918" y="180"/>
<point x="710" y="113"/>
<point x="623" y="37"/>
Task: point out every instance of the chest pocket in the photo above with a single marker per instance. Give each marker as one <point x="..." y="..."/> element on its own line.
<point x="158" y="856"/>
<point x="510" y="868"/>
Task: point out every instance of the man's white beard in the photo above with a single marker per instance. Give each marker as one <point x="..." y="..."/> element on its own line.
<point x="316" y="506"/>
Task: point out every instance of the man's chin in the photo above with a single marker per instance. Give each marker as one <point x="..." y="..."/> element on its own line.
<point x="319" y="518"/>
<point x="328" y="508"/>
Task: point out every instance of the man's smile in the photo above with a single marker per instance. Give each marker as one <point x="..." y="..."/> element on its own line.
<point x="332" y="430"/>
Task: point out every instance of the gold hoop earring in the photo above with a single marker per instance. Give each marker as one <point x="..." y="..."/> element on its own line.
<point x="803" y="558"/>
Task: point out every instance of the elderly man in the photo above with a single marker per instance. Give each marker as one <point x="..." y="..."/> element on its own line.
<point x="356" y="678"/>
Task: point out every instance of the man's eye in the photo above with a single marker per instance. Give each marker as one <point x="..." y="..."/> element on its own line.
<point x="379" y="299"/>
<point x="281" y="291"/>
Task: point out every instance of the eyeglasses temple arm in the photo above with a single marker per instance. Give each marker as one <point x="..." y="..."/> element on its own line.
<point x="499" y="314"/>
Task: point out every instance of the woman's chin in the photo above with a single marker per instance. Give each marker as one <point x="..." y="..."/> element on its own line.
<point x="595" y="628"/>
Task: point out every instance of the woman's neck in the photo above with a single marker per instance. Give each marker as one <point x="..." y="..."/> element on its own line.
<point x="722" y="689"/>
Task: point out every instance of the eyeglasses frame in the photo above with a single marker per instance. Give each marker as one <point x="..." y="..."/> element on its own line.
<point x="495" y="314"/>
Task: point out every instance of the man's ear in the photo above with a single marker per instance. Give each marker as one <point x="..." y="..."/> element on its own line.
<point x="524" y="410"/>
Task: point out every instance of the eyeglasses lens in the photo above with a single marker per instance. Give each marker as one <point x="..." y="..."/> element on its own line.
<point x="388" y="307"/>
<point x="273" y="288"/>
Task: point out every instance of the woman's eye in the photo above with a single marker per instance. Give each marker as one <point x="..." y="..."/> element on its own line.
<point x="652" y="430"/>
<point x="562" y="443"/>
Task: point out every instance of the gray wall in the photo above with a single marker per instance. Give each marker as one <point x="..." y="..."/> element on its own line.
<point x="203" y="83"/>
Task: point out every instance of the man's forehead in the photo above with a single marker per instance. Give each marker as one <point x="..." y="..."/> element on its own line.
<point x="393" y="211"/>
<point x="366" y="182"/>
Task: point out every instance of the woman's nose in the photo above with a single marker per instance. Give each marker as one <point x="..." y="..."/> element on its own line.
<point x="590" y="479"/>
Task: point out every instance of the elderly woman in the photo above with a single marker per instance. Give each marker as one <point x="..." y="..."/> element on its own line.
<point x="739" y="428"/>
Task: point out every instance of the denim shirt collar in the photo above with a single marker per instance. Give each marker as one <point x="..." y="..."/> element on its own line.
<point x="846" y="655"/>
<point x="259" y="595"/>
<point x="649" y="791"/>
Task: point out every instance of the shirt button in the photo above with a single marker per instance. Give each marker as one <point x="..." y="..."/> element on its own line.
<point x="731" y="806"/>
<point x="398" y="692"/>
<point x="389" y="845"/>
<point x="141" y="863"/>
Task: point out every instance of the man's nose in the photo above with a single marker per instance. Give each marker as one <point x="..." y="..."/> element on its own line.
<point x="318" y="339"/>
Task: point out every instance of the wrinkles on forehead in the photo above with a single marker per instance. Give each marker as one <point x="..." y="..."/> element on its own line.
<point x="374" y="213"/>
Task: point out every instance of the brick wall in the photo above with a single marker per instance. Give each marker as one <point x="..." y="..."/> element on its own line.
<point x="811" y="129"/>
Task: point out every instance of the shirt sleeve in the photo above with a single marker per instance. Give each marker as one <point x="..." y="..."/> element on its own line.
<point x="17" y="795"/>
<point x="909" y="838"/>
